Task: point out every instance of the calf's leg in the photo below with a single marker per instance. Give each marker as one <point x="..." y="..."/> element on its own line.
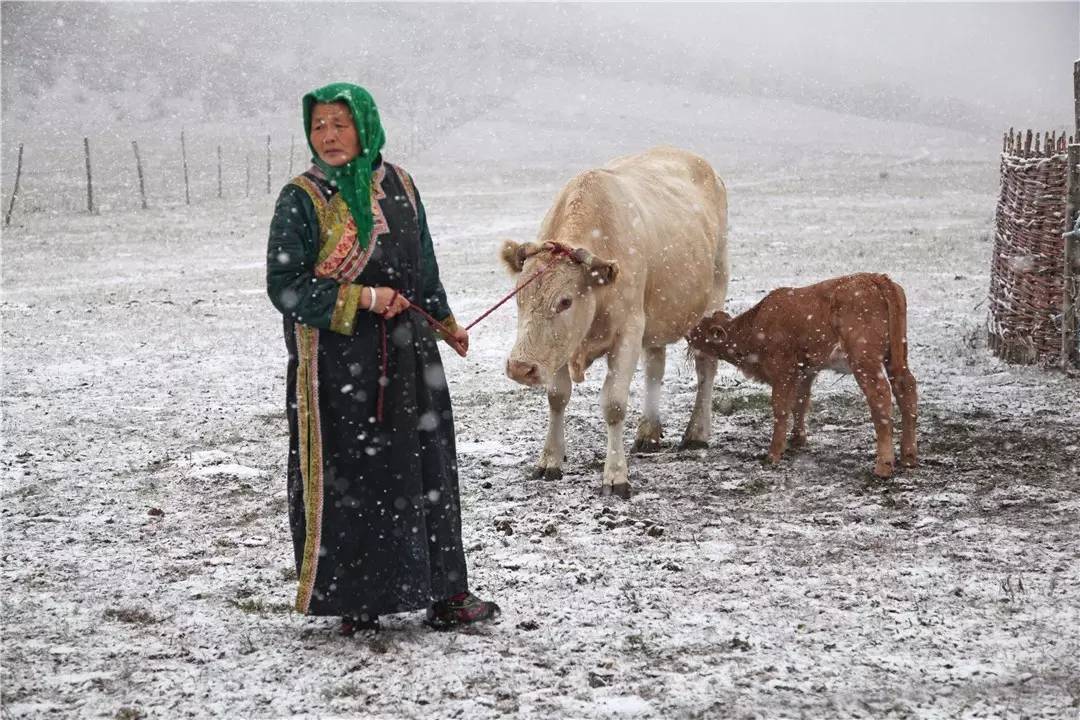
<point x="870" y="375"/>
<point x="802" y="407"/>
<point x="783" y="401"/>
<point x="554" y="452"/>
<point x="700" y="425"/>
<point x="904" y="387"/>
<point x="650" y="429"/>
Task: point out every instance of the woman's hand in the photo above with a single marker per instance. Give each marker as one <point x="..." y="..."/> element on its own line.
<point x="460" y="341"/>
<point x="388" y="302"/>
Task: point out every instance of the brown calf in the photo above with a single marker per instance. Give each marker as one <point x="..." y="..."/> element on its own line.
<point x="856" y="323"/>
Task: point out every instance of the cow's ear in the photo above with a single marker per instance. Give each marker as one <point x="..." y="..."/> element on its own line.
<point x="512" y="255"/>
<point x="601" y="272"/>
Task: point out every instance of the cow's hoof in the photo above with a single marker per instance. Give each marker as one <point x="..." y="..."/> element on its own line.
<point x="646" y="445"/>
<point x="883" y="472"/>
<point x="694" y="445"/>
<point x="798" y="441"/>
<point x="542" y="473"/>
<point x="622" y="490"/>
<point x="909" y="462"/>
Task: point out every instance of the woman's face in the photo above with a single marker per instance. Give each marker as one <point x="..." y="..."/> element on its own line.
<point x="333" y="133"/>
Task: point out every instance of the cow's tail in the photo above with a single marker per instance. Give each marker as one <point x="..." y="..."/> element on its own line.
<point x="896" y="302"/>
<point x="721" y="265"/>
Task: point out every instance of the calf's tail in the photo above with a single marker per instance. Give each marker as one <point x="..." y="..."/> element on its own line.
<point x="897" y="313"/>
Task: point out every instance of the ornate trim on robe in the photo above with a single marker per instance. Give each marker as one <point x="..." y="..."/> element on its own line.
<point x="311" y="461"/>
<point x="343" y="319"/>
<point x="410" y="189"/>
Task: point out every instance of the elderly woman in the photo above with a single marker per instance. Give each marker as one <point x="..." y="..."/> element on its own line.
<point x="372" y="473"/>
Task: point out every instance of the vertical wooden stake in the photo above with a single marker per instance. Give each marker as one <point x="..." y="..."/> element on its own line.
<point x="247" y="178"/>
<point x="15" y="192"/>
<point x="267" y="164"/>
<point x="219" y="171"/>
<point x="138" y="169"/>
<point x="183" y="155"/>
<point x="89" y="179"/>
<point x="1076" y="99"/>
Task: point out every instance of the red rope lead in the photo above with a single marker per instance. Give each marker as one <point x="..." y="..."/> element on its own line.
<point x="556" y="250"/>
<point x="384" y="380"/>
<point x="446" y="331"/>
<point x="438" y="326"/>
<point x="516" y="290"/>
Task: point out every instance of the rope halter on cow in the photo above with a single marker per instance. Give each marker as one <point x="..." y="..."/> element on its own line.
<point x="602" y="270"/>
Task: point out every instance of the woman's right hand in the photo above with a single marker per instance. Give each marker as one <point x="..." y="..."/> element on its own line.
<point x="389" y="302"/>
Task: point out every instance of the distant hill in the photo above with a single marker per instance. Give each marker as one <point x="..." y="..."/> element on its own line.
<point x="438" y="65"/>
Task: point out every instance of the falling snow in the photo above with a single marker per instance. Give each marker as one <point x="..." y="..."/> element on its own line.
<point x="147" y="566"/>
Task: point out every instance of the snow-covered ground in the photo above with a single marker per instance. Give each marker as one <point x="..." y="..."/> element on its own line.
<point x="147" y="570"/>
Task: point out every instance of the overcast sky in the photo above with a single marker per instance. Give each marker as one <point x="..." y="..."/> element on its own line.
<point x="1004" y="55"/>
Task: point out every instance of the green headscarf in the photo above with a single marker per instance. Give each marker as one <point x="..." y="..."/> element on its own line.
<point x="354" y="178"/>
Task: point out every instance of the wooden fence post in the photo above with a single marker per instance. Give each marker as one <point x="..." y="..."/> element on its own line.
<point x="183" y="155"/>
<point x="1076" y="100"/>
<point x="15" y="191"/>
<point x="89" y="179"/>
<point x="267" y="164"/>
<point x="138" y="169"/>
<point x="219" y="172"/>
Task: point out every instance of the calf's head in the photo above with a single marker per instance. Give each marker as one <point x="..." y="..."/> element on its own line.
<point x="711" y="335"/>
<point x="556" y="309"/>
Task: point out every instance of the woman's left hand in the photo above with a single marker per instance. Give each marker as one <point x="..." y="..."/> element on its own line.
<point x="389" y="302"/>
<point x="460" y="341"/>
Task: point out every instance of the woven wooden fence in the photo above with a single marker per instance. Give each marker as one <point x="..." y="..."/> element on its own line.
<point x="1027" y="279"/>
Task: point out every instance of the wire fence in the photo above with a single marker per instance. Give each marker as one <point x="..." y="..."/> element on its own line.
<point x="110" y="173"/>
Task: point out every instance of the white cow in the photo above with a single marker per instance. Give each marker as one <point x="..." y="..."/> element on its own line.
<point x="638" y="255"/>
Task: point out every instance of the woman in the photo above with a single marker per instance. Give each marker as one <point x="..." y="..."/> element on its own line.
<point x="372" y="475"/>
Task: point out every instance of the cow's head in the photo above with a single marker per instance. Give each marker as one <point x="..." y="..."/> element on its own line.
<point x="556" y="309"/>
<point x="710" y="336"/>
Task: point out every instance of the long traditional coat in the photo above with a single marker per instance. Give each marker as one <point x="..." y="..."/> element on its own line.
<point x="373" y="503"/>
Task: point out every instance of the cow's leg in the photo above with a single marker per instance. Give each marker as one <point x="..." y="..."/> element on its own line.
<point x="622" y="362"/>
<point x="551" y="458"/>
<point x="802" y="408"/>
<point x="904" y="387"/>
<point x="783" y="402"/>
<point x="870" y="375"/>
<point x="650" y="430"/>
<point x="700" y="426"/>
